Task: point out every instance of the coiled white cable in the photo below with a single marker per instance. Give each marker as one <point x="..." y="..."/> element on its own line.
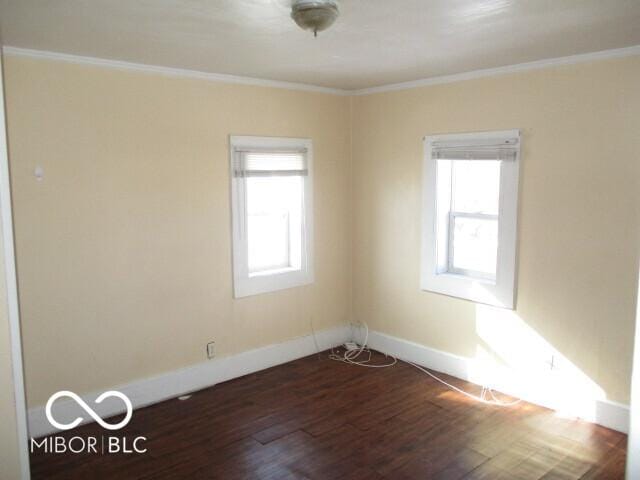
<point x="351" y="357"/>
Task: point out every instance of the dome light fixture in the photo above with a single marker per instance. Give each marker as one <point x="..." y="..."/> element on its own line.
<point x="314" y="15"/>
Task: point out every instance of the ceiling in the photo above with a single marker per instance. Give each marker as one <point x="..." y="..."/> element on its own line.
<point x="374" y="42"/>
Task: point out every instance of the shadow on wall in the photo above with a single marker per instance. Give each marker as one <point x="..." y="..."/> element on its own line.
<point x="511" y="357"/>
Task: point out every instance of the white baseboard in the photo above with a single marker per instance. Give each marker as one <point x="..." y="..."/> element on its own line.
<point x="179" y="382"/>
<point x="601" y="411"/>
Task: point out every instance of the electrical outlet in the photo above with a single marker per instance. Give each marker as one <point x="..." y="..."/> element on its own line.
<point x="211" y="350"/>
<point x="553" y="362"/>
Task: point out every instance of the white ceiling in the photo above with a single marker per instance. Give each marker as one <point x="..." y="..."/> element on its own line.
<point x="374" y="42"/>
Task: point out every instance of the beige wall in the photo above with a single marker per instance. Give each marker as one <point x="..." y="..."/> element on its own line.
<point x="9" y="442"/>
<point x="579" y="211"/>
<point x="124" y="248"/>
<point x="124" y="254"/>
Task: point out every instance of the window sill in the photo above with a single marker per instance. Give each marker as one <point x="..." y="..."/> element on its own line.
<point x="459" y="276"/>
<point x="271" y="282"/>
<point x="468" y="288"/>
<point x="275" y="271"/>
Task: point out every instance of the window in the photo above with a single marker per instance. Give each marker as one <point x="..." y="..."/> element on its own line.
<point x="470" y="216"/>
<point x="271" y="200"/>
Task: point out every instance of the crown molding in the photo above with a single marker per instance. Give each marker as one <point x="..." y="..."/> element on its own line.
<point x="491" y="72"/>
<point x="240" y="80"/>
<point x="169" y="71"/>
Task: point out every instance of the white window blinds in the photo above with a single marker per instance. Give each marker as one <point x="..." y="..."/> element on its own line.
<point x="479" y="149"/>
<point x="249" y="163"/>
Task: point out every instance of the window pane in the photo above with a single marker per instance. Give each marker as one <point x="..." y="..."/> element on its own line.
<point x="268" y="241"/>
<point x="476" y="186"/>
<point x="274" y="223"/>
<point x="475" y="245"/>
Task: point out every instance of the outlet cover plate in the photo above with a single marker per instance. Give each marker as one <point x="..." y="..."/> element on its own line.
<point x="211" y="350"/>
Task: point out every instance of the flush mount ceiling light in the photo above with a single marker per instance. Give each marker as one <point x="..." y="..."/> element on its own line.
<point x="314" y="15"/>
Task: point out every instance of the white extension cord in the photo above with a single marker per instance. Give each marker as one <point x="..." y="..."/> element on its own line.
<point x="353" y="351"/>
<point x="349" y="346"/>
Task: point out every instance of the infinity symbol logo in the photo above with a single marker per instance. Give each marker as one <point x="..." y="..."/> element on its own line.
<point x="89" y="410"/>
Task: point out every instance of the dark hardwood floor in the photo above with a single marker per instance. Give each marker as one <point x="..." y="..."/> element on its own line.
<point x="319" y="419"/>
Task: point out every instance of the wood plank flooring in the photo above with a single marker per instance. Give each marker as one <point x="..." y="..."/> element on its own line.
<point x="319" y="419"/>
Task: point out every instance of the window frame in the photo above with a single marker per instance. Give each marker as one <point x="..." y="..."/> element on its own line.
<point x="245" y="284"/>
<point x="436" y="274"/>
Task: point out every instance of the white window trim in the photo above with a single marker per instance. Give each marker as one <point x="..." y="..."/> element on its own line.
<point x="243" y="284"/>
<point x="502" y="291"/>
